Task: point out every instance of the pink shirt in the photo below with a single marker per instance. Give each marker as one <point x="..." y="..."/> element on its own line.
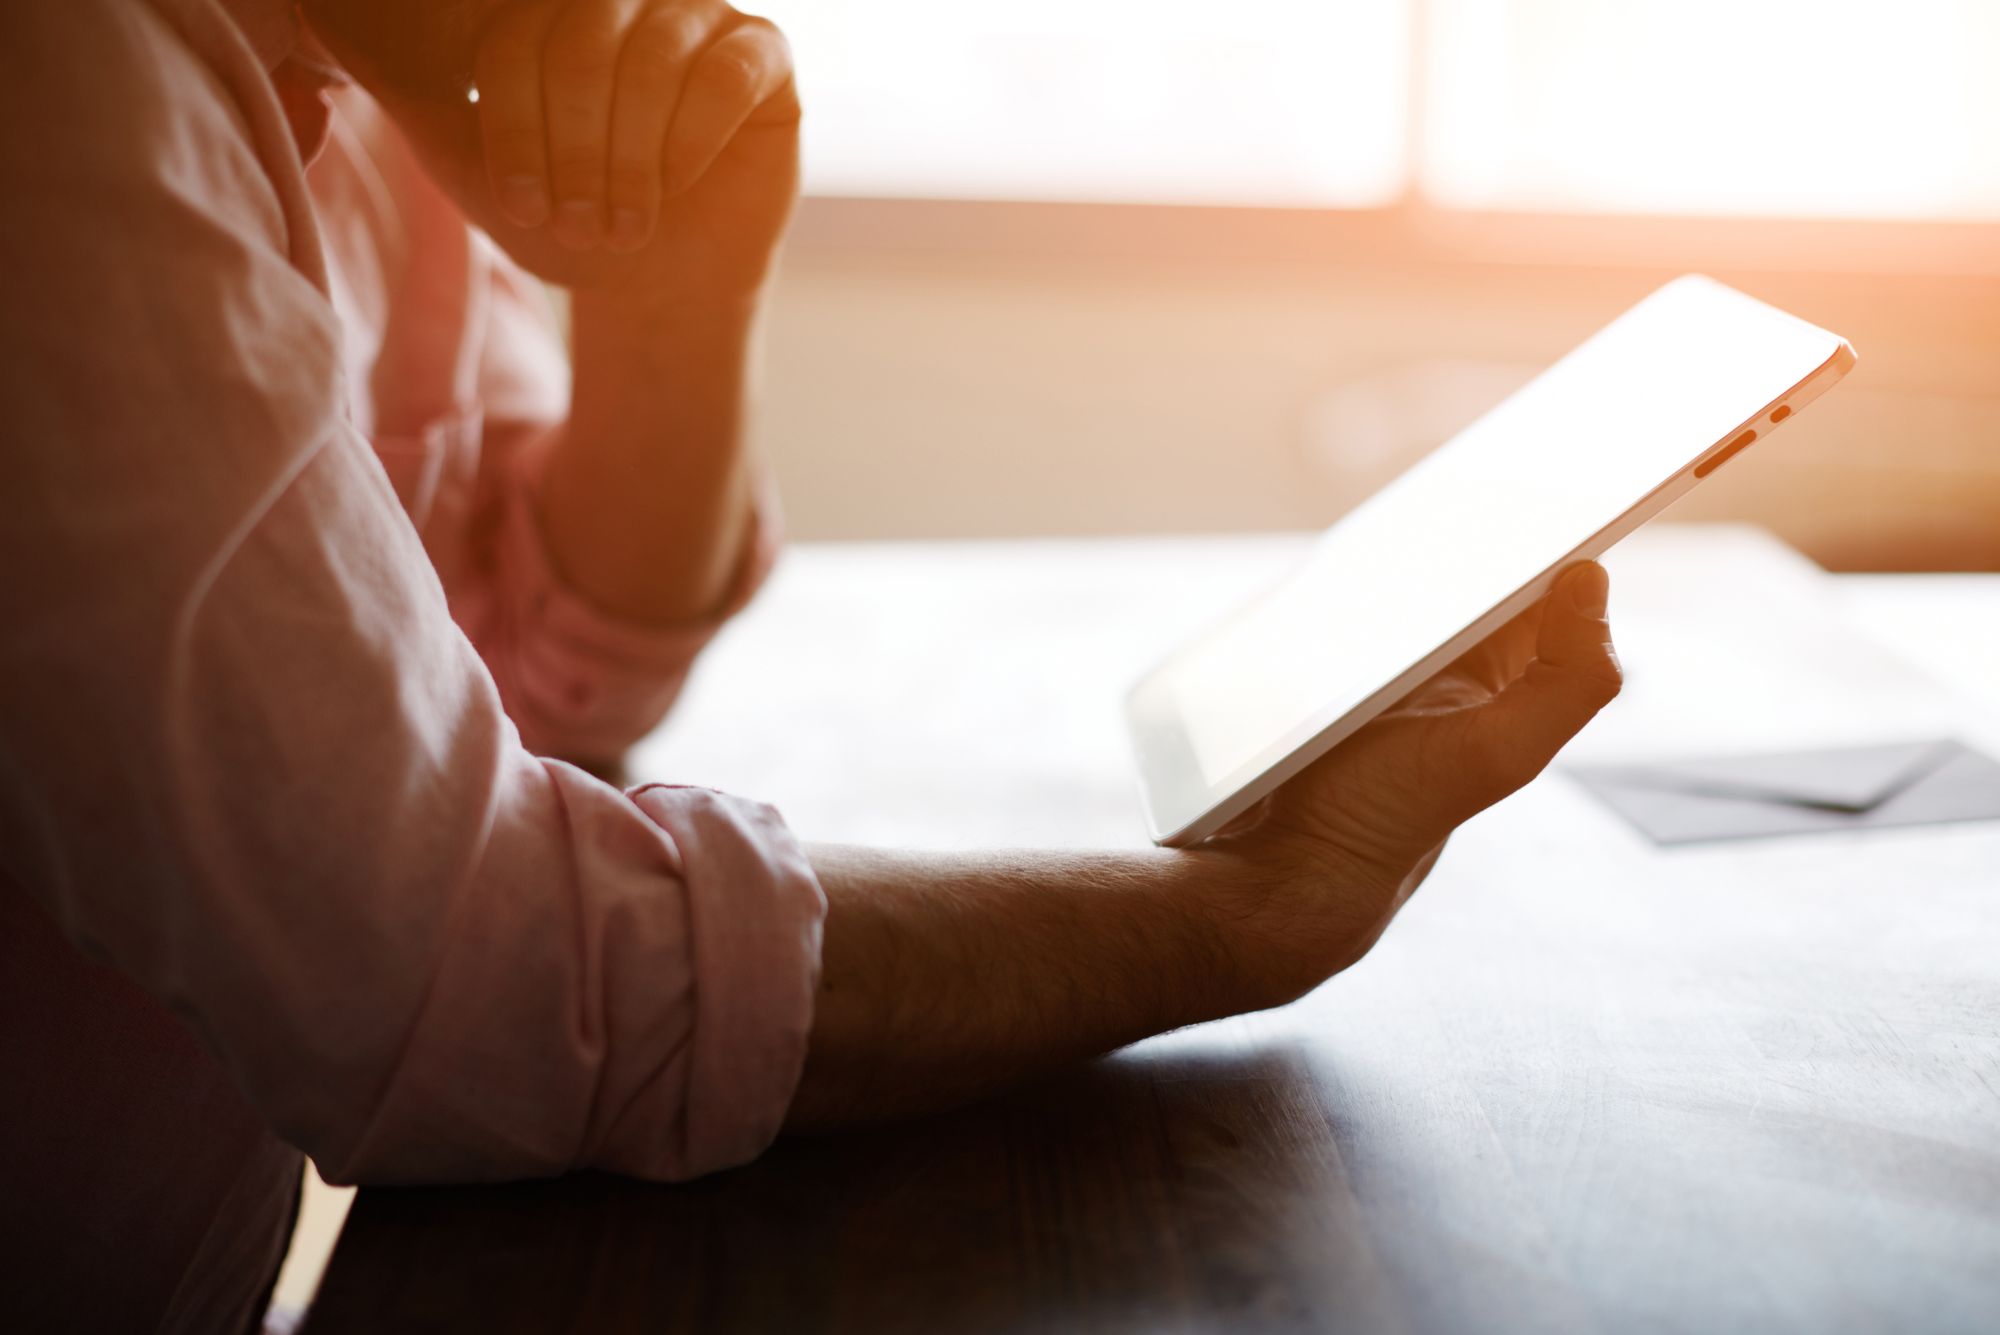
<point x="284" y="658"/>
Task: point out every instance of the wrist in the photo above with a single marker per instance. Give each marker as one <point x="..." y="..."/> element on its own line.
<point x="714" y="308"/>
<point x="649" y="362"/>
<point x="1237" y="906"/>
<point x="1284" y="920"/>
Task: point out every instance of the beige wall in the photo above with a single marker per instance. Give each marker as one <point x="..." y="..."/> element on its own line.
<point x="961" y="393"/>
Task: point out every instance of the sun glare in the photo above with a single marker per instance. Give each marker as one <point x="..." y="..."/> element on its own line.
<point x="1787" y="107"/>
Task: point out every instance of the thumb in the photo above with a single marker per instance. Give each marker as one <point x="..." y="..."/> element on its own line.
<point x="1573" y="674"/>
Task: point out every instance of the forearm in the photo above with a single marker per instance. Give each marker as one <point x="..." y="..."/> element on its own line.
<point x="947" y="976"/>
<point x="645" y="503"/>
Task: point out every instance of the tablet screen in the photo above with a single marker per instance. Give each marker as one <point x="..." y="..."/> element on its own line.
<point x="1511" y="500"/>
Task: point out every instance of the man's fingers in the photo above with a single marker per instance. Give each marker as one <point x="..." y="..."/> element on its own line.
<point x="653" y="69"/>
<point x="745" y="75"/>
<point x="508" y="73"/>
<point x="1574" y="674"/>
<point x="579" y="66"/>
<point x="1500" y="657"/>
<point x="593" y="110"/>
<point x="1575" y="634"/>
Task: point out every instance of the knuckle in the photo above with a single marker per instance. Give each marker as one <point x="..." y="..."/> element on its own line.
<point x="577" y="112"/>
<point x="515" y="144"/>
<point x="767" y="34"/>
<point x="631" y="183"/>
<point x="661" y="46"/>
<point x="779" y="47"/>
<point x="1614" y="670"/>
<point x="1598" y="681"/>
<point x="651" y="65"/>
<point x="576" y="165"/>
<point x="580" y="53"/>
<point x="729" y="73"/>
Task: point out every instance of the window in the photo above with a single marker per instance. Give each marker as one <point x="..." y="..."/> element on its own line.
<point x="1836" y="108"/>
<point x="1156" y="101"/>
<point x="1832" y="108"/>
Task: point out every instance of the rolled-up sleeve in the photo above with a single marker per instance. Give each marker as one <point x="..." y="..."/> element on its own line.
<point x="246" y="754"/>
<point x="580" y="682"/>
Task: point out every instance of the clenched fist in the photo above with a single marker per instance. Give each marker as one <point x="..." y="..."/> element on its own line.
<point x="650" y="142"/>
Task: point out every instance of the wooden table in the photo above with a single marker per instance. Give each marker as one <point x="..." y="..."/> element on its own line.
<point x="1583" y="1085"/>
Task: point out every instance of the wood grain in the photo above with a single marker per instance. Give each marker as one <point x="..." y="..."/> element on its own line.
<point x="1581" y="1085"/>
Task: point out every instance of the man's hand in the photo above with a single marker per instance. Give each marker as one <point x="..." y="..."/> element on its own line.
<point x="620" y="142"/>
<point x="946" y="976"/>
<point x="1311" y="877"/>
<point x="645" y="154"/>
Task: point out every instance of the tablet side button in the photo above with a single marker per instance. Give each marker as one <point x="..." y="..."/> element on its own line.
<point x="1728" y="452"/>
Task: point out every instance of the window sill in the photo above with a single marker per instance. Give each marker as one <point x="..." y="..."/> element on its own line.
<point x="1412" y="234"/>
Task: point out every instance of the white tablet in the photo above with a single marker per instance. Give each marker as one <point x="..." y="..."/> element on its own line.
<point x="1471" y="535"/>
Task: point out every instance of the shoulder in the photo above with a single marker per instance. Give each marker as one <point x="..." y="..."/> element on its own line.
<point x="157" y="235"/>
<point x="142" y="103"/>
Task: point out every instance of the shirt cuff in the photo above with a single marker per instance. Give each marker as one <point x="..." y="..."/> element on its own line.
<point x="756" y="914"/>
<point x="586" y="684"/>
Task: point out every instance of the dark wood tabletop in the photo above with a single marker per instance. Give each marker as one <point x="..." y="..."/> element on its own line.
<point x="1583" y="1084"/>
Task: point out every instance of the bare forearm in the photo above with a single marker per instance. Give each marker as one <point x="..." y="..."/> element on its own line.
<point x="646" y="501"/>
<point x="947" y="976"/>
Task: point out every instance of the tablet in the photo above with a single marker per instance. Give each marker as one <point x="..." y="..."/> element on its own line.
<point x="1470" y="536"/>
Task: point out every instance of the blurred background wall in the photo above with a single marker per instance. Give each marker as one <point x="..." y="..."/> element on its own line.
<point x="1107" y="267"/>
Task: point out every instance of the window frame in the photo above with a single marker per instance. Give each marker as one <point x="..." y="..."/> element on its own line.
<point x="1410" y="232"/>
